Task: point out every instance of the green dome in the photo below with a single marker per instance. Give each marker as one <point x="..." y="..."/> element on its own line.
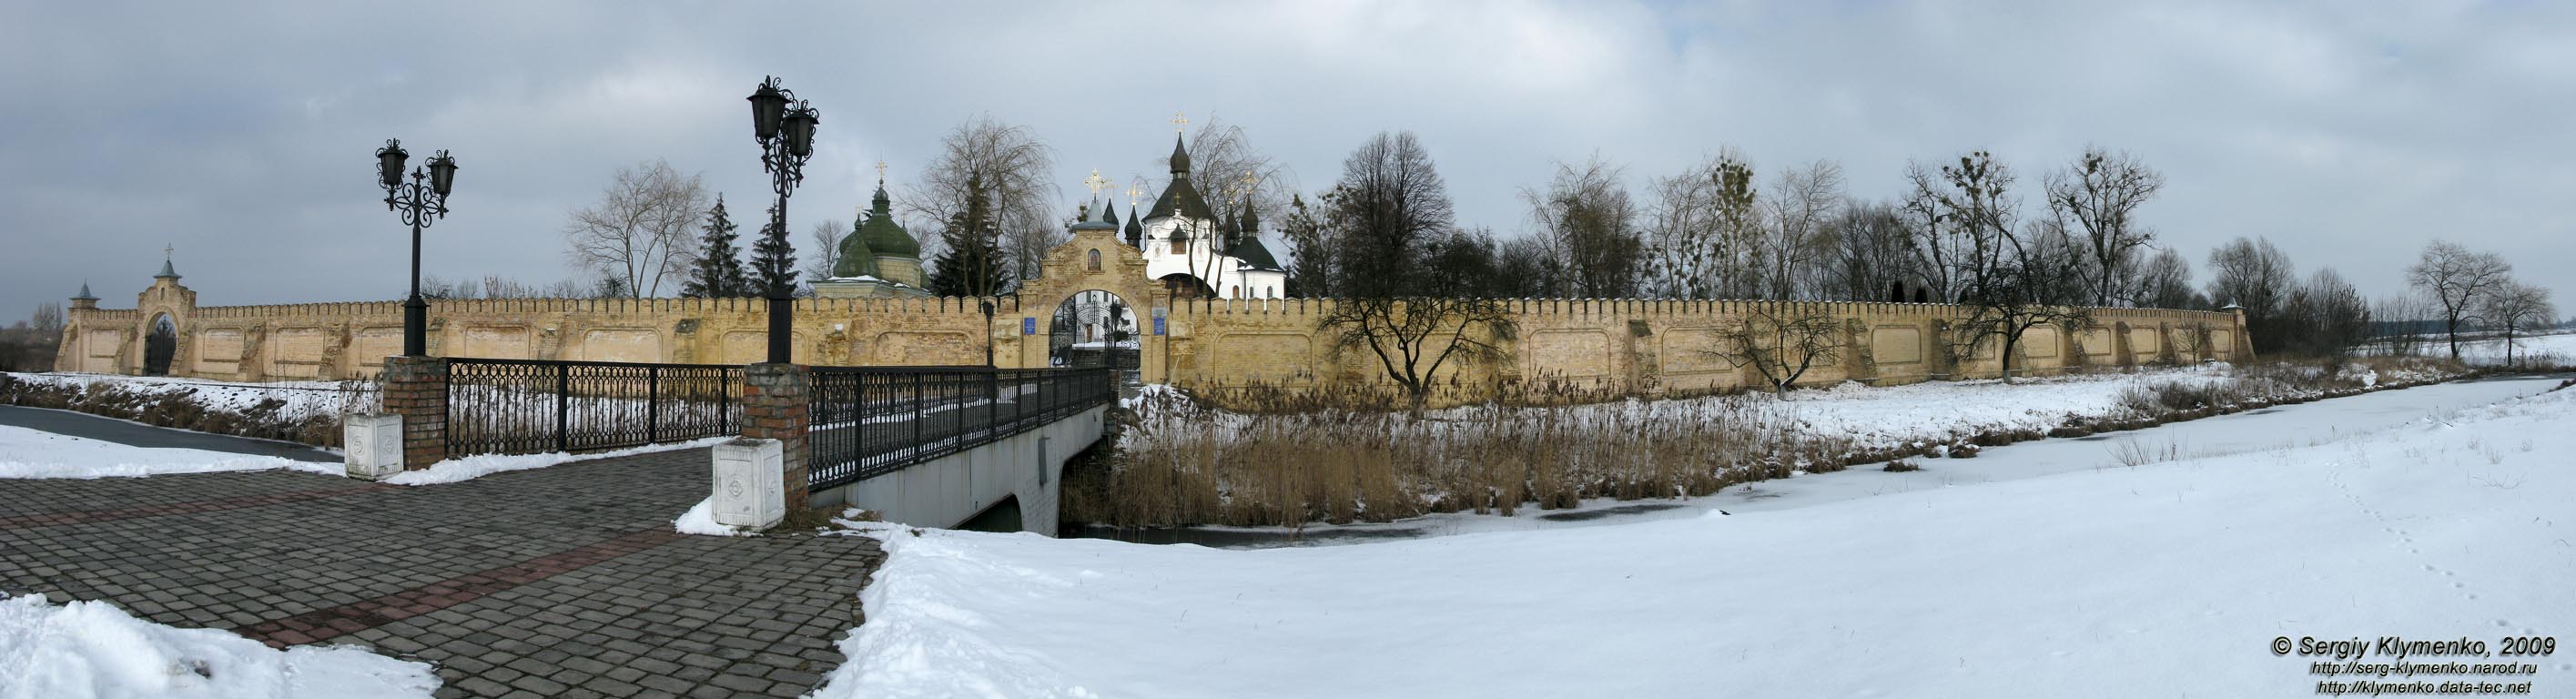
<point x="883" y="235"/>
<point x="857" y="258"/>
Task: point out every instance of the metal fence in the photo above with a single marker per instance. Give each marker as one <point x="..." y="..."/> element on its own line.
<point x="528" y="406"/>
<point x="872" y="421"/>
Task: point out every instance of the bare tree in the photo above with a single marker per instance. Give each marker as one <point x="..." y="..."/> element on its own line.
<point x="2325" y="317"/>
<point x="48" y="321"/>
<point x="1801" y="203"/>
<point x="2458" y="280"/>
<point x="2256" y="276"/>
<point x="1006" y="171"/>
<point x="1871" y="256"/>
<point x="2101" y="194"/>
<point x="1703" y="229"/>
<point x="826" y="237"/>
<point x="1414" y="337"/>
<point x="1976" y="205"/>
<point x="1586" y="218"/>
<point x="1940" y="247"/>
<point x="1782" y="340"/>
<point x="639" y="231"/>
<point x="1228" y="168"/>
<point x="2165" y="282"/>
<point x="1388" y="207"/>
<point x="2516" y="307"/>
<point x="2400" y="320"/>
<point x="2012" y="277"/>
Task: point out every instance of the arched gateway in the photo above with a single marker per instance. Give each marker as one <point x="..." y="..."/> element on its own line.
<point x="1069" y="271"/>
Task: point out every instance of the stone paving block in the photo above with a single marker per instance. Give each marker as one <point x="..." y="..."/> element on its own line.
<point x="512" y="583"/>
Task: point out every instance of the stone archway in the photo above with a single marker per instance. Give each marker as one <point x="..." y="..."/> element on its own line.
<point x="160" y="345"/>
<point x="1067" y="270"/>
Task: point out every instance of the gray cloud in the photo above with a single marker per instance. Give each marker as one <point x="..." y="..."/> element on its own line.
<point x="242" y="133"/>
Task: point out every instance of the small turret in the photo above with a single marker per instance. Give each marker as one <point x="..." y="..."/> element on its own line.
<point x="85" y="299"/>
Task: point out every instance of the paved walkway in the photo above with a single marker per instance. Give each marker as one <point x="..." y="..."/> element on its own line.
<point x="564" y="581"/>
<point x="107" y="429"/>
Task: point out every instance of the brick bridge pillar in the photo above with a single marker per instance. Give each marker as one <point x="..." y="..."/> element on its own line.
<point x="416" y="389"/>
<point x="774" y="407"/>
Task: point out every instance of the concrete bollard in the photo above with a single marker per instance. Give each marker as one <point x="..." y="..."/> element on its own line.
<point x="373" y="445"/>
<point x="750" y="489"/>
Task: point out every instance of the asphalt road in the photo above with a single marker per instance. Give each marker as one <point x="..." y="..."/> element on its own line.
<point x="65" y="422"/>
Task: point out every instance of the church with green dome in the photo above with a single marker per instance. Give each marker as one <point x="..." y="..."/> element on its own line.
<point x="879" y="259"/>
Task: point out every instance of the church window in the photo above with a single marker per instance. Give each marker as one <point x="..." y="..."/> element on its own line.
<point x="1095" y="259"/>
<point x="1180" y="247"/>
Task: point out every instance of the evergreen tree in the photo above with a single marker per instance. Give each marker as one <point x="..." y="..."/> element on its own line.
<point x="718" y="272"/>
<point x="773" y="258"/>
<point x="972" y="263"/>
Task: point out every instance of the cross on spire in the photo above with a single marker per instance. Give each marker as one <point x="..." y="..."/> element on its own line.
<point x="1180" y="124"/>
<point x="1096" y="182"/>
<point x="880" y="172"/>
<point x="1134" y="192"/>
<point x="166" y="249"/>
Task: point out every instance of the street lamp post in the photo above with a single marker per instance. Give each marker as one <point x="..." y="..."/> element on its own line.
<point x="421" y="201"/>
<point x="784" y="126"/>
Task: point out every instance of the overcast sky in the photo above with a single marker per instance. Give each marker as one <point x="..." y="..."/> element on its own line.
<point x="243" y="132"/>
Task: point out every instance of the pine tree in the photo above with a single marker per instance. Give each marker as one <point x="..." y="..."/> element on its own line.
<point x="972" y="264"/>
<point x="718" y="272"/>
<point x="773" y="258"/>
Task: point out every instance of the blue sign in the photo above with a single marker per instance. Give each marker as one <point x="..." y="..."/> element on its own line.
<point x="1158" y="326"/>
<point x="1028" y="326"/>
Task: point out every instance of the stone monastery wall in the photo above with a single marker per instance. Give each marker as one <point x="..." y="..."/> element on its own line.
<point x="1666" y="347"/>
<point x="1625" y="346"/>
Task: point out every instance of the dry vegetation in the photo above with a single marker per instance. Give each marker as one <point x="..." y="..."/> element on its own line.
<point x="1291" y="458"/>
<point x="269" y="417"/>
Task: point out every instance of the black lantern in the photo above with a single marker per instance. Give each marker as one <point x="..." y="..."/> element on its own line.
<point x="442" y="174"/>
<point x="786" y="139"/>
<point x="389" y="163"/>
<point x="800" y="130"/>
<point x="767" y="104"/>
<point x="421" y="201"/>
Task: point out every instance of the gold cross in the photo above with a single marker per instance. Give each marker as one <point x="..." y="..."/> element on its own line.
<point x="880" y="172"/>
<point x="1134" y="191"/>
<point x="1096" y="182"/>
<point x="1180" y="124"/>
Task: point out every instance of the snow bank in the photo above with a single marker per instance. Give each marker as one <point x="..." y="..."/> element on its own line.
<point x="701" y="519"/>
<point x="465" y="468"/>
<point x="290" y="399"/>
<point x="26" y="453"/>
<point x="93" y="649"/>
<point x="2088" y="583"/>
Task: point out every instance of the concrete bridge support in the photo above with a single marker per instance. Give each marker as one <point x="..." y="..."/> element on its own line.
<point x="948" y="491"/>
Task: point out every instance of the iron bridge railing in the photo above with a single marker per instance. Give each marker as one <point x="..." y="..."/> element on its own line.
<point x="529" y="406"/>
<point x="870" y="421"/>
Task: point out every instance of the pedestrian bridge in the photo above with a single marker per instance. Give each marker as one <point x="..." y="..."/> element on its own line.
<point x="940" y="446"/>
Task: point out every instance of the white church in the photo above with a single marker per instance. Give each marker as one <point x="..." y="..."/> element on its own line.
<point x="1190" y="250"/>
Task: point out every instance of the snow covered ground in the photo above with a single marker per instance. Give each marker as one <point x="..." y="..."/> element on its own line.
<point x="2560" y="346"/>
<point x="93" y="649"/>
<point x="2057" y="574"/>
<point x="464" y="468"/>
<point x="26" y="453"/>
<point x="295" y="399"/>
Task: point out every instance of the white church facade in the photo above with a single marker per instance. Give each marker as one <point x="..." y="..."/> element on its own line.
<point x="1191" y="251"/>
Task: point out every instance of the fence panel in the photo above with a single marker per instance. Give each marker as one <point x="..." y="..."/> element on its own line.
<point x="529" y="406"/>
<point x="870" y="421"/>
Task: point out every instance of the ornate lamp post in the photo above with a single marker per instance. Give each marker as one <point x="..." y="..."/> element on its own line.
<point x="786" y="136"/>
<point x="421" y="202"/>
